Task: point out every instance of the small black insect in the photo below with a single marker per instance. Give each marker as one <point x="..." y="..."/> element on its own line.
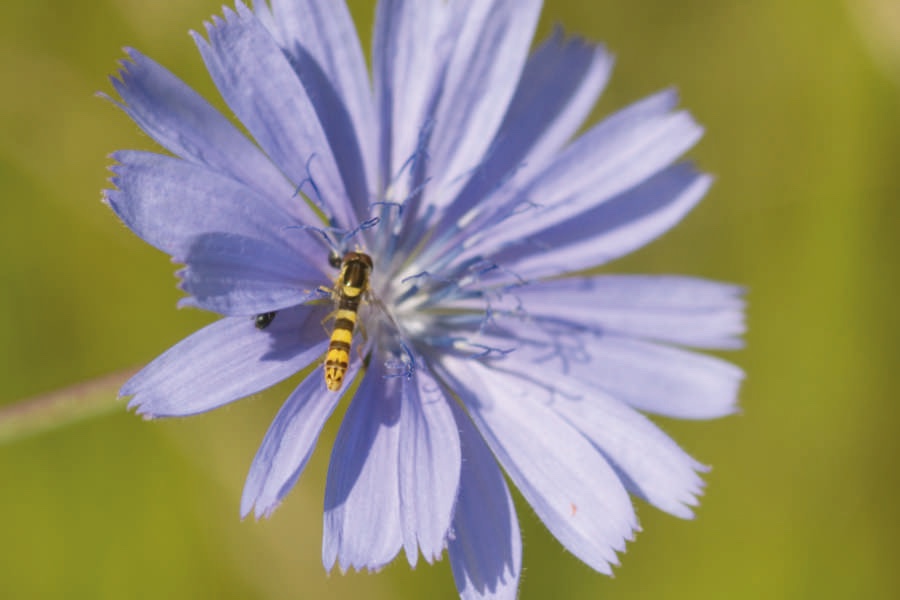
<point x="263" y="320"/>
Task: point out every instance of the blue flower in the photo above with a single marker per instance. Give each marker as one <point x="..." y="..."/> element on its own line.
<point x="455" y="172"/>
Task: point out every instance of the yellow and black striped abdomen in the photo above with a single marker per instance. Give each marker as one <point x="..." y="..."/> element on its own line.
<point x="351" y="285"/>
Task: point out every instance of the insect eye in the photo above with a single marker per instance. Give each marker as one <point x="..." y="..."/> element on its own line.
<point x="334" y="259"/>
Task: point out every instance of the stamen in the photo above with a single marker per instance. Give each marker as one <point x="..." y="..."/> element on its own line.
<point x="329" y="235"/>
<point x="401" y="367"/>
<point x="364" y="226"/>
<point x="481" y="350"/>
<point x="309" y="179"/>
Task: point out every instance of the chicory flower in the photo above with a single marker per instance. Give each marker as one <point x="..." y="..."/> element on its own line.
<point x="444" y="208"/>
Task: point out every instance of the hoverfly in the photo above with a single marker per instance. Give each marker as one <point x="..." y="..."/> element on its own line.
<point x="349" y="288"/>
<point x="351" y="285"/>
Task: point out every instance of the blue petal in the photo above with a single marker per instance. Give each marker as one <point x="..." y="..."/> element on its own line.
<point x="333" y="115"/>
<point x="406" y="66"/>
<point x="559" y="85"/>
<point x="678" y="310"/>
<point x="225" y="361"/>
<point x="324" y="31"/>
<point x="169" y="202"/>
<point x="610" y="159"/>
<point x="486" y="547"/>
<point x="259" y="84"/>
<point x="336" y="124"/>
<point x="288" y="444"/>
<point x="658" y="379"/>
<point x="648" y="462"/>
<point x="237" y="275"/>
<point x="490" y="48"/>
<point x="613" y="229"/>
<point x="570" y="485"/>
<point x="180" y="120"/>
<point x="647" y="376"/>
<point x="429" y="466"/>
<point x="362" y="493"/>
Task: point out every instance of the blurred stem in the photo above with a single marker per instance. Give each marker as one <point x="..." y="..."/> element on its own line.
<point x="64" y="407"/>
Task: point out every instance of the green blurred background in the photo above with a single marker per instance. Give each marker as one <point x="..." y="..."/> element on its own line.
<point x="801" y="101"/>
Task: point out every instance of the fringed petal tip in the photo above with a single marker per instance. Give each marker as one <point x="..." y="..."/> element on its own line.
<point x="139" y="406"/>
<point x="118" y="158"/>
<point x="186" y="301"/>
<point x="126" y="65"/>
<point x="107" y="97"/>
<point x="106" y="196"/>
<point x="132" y="68"/>
<point x="229" y="16"/>
<point x="259" y="512"/>
<point x="562" y="37"/>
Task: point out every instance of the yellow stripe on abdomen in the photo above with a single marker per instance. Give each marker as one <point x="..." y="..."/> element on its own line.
<point x="343" y="313"/>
